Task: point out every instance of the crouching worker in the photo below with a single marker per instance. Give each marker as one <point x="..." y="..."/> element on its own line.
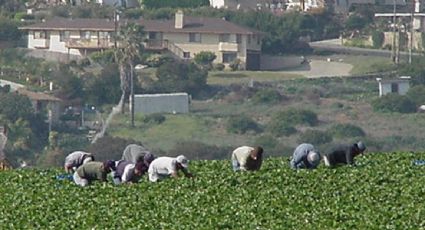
<point x="305" y="156"/>
<point x="163" y="167"/>
<point x="135" y="153"/>
<point x="76" y="159"/>
<point x="92" y="171"/>
<point x="344" y="154"/>
<point x="127" y="172"/>
<point x="247" y="158"/>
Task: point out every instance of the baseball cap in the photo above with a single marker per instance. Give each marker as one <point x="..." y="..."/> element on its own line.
<point x="361" y="146"/>
<point x="183" y="161"/>
<point x="313" y="158"/>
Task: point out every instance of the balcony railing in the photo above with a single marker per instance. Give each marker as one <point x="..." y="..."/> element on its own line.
<point x="89" y="43"/>
<point x="228" y="46"/>
<point x="152" y="44"/>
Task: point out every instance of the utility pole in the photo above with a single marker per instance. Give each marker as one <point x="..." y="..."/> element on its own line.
<point x="412" y="30"/>
<point x="132" y="93"/>
<point x="115" y="28"/>
<point x="393" y="52"/>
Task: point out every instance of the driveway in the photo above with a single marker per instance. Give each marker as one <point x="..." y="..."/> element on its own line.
<point x="322" y="68"/>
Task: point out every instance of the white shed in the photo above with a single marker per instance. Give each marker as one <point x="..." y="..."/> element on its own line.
<point x="161" y="103"/>
<point x="399" y="86"/>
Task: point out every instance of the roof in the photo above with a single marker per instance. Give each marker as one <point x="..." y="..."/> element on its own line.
<point x="73" y="24"/>
<point x="196" y="25"/>
<point x="37" y="96"/>
<point x="191" y="25"/>
<point x="390" y="81"/>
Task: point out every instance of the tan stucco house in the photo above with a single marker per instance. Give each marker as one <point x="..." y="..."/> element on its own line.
<point x="183" y="36"/>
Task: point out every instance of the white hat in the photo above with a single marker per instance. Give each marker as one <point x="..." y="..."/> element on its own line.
<point x="88" y="159"/>
<point x="183" y="161"/>
<point x="313" y="158"/>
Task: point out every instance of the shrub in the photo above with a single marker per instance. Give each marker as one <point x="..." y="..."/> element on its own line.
<point x="205" y="59"/>
<point x="266" y="141"/>
<point x="155" y="118"/>
<point x="218" y="66"/>
<point x="394" y="103"/>
<point x="295" y="117"/>
<point x="417" y="94"/>
<point x="346" y="130"/>
<point x="280" y="128"/>
<point x="241" y="125"/>
<point x="108" y="148"/>
<point x="315" y="137"/>
<point x="267" y="96"/>
<point x="198" y="150"/>
<point x="104" y="57"/>
<point x="377" y="39"/>
<point x="235" y="65"/>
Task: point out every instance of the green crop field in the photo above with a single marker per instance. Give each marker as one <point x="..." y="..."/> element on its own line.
<point x="385" y="191"/>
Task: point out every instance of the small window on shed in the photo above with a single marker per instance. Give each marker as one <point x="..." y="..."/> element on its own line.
<point x="394" y="87"/>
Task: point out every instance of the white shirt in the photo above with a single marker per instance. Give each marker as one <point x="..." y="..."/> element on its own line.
<point x="163" y="166"/>
<point x="128" y="173"/>
<point x="75" y="159"/>
<point x="241" y="155"/>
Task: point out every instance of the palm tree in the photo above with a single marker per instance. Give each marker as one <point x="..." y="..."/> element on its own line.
<point x="129" y="48"/>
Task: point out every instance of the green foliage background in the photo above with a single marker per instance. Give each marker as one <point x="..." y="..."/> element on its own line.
<point x="385" y="191"/>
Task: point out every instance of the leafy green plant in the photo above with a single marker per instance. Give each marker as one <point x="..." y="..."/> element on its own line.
<point x="378" y="38"/>
<point x="266" y="96"/>
<point x="346" y="130"/>
<point x="394" y="103"/>
<point x="280" y="128"/>
<point x="315" y="137"/>
<point x="155" y="118"/>
<point x="205" y="59"/>
<point x="296" y="117"/>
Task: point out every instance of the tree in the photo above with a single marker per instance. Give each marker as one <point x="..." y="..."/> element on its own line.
<point x="177" y="76"/>
<point x="14" y="106"/>
<point x="9" y="30"/>
<point x="129" y="41"/>
<point x="102" y="89"/>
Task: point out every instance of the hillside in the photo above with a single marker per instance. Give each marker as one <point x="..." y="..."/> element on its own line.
<point x="385" y="191"/>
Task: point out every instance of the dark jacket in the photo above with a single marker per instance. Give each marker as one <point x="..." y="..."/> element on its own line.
<point x="342" y="154"/>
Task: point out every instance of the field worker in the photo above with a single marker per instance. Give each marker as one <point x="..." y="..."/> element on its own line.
<point x="93" y="170"/>
<point x="128" y="172"/>
<point x="76" y="159"/>
<point x="344" y="154"/>
<point x="247" y="158"/>
<point x="305" y="156"/>
<point x="163" y="167"/>
<point x="135" y="153"/>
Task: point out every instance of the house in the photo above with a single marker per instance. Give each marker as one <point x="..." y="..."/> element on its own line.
<point x="399" y="86"/>
<point x="42" y="102"/>
<point x="161" y="103"/>
<point x="182" y="36"/>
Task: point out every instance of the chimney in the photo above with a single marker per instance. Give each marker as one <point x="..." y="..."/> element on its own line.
<point x="179" y="21"/>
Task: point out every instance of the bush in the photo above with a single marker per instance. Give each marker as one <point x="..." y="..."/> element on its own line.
<point x="378" y="39"/>
<point x="103" y="58"/>
<point x="296" y="117"/>
<point x="346" y="130"/>
<point x="394" y="103"/>
<point x="235" y="65"/>
<point x="417" y="95"/>
<point x="267" y="96"/>
<point x="109" y="148"/>
<point x="218" y="66"/>
<point x="280" y="128"/>
<point x="155" y="118"/>
<point x="200" y="151"/>
<point x="241" y="124"/>
<point x="205" y="59"/>
<point x="315" y="137"/>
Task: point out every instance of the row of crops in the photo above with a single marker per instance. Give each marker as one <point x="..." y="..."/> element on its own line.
<point x="385" y="191"/>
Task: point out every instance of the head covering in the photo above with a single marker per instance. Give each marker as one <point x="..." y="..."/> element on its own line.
<point x="148" y="158"/>
<point x="313" y="158"/>
<point x="361" y="146"/>
<point x="87" y="159"/>
<point x="109" y="165"/>
<point x="183" y="161"/>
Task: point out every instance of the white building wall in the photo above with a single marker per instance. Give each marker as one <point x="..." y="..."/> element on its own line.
<point x="161" y="103"/>
<point x="403" y="87"/>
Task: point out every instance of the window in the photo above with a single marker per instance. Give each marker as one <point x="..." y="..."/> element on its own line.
<point x="249" y="39"/>
<point x="194" y="37"/>
<point x="103" y="35"/>
<point x="229" y="57"/>
<point x="224" y="38"/>
<point x="64" y="35"/>
<point x="238" y="38"/>
<point x="153" y="35"/>
<point x="258" y="40"/>
<point x="85" y="35"/>
<point x="186" y="54"/>
<point x="40" y="35"/>
<point x="394" y="88"/>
